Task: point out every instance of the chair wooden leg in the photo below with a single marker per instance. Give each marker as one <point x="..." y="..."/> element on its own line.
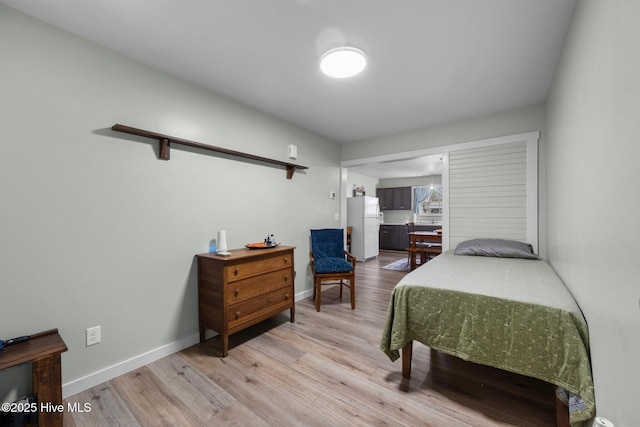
<point x="352" y="284"/>
<point x="318" y="291"/>
<point x="412" y="263"/>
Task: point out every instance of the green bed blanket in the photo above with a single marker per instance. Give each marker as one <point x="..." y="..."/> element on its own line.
<point x="512" y="314"/>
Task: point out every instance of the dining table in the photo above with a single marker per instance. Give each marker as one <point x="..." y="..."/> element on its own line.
<point x="427" y="243"/>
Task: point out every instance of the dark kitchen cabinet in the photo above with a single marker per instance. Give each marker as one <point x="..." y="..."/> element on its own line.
<point x="395" y="198"/>
<point x="402" y="198"/>
<point x="385" y="236"/>
<point x="394" y="237"/>
<point x="385" y="198"/>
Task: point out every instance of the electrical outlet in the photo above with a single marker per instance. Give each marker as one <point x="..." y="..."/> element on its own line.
<point x="93" y="335"/>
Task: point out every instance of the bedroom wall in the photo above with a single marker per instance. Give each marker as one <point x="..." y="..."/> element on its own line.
<point x="95" y="229"/>
<point x="593" y="192"/>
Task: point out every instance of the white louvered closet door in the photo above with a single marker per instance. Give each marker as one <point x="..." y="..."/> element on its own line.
<point x="488" y="193"/>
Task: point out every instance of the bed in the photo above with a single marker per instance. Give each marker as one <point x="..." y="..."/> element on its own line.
<point x="497" y="309"/>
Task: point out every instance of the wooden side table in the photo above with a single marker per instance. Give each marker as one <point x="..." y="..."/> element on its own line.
<point x="43" y="350"/>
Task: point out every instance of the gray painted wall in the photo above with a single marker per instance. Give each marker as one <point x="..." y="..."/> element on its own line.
<point x="594" y="192"/>
<point x="95" y="229"/>
<point x="370" y="184"/>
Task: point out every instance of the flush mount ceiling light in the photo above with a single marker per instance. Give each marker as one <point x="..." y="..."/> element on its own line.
<point x="342" y="62"/>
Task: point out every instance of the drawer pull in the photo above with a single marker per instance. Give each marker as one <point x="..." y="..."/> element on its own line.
<point x="237" y="292"/>
<point x="286" y="296"/>
<point x="236" y="271"/>
<point x="286" y="260"/>
<point x="286" y="278"/>
<point x="237" y="315"/>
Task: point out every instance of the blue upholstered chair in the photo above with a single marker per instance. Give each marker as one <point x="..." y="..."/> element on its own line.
<point x="330" y="263"/>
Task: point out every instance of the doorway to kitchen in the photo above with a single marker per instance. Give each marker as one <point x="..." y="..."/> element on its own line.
<point x="473" y="175"/>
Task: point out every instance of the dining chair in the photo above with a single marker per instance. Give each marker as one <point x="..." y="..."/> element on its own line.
<point x="330" y="263"/>
<point x="427" y="245"/>
<point x="431" y="246"/>
<point x="411" y="227"/>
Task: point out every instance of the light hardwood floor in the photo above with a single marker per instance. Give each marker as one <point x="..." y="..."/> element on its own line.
<point x="326" y="369"/>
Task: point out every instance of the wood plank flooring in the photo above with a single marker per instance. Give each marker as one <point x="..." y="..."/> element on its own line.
<point x="326" y="369"/>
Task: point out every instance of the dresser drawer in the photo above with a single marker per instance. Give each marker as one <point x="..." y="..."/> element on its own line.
<point x="242" y="290"/>
<point x="253" y="308"/>
<point x="259" y="266"/>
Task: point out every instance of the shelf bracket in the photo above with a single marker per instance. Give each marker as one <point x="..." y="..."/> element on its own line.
<point x="290" y="171"/>
<point x="164" y="148"/>
<point x="165" y="141"/>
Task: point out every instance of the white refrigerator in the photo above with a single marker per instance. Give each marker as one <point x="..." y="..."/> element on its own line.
<point x="363" y="214"/>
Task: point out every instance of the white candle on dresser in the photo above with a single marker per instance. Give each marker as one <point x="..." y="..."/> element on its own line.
<point x="222" y="241"/>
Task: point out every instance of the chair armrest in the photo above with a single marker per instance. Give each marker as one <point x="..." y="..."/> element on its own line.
<point x="311" y="261"/>
<point x="350" y="258"/>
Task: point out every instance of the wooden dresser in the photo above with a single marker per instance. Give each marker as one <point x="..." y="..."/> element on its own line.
<point x="244" y="288"/>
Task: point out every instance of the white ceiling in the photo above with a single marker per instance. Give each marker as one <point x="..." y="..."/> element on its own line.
<point x="429" y="61"/>
<point x="418" y="166"/>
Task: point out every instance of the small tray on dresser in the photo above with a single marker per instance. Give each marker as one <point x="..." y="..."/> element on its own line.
<point x="261" y="245"/>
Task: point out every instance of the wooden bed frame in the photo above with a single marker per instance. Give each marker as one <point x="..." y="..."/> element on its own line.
<point x="562" y="410"/>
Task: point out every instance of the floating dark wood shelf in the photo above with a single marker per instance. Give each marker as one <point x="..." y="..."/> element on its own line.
<point x="166" y="140"/>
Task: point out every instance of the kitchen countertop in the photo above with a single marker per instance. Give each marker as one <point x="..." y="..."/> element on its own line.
<point x="417" y="223"/>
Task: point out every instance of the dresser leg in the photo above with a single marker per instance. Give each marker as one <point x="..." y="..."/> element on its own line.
<point x="201" y="334"/>
<point x="293" y="314"/>
<point x="225" y="344"/>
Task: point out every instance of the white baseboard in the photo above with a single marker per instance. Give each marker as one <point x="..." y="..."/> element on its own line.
<point x="108" y="373"/>
<point x="303" y="295"/>
<point x="85" y="383"/>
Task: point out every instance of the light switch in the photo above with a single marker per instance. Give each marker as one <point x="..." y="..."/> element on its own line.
<point x="293" y="151"/>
